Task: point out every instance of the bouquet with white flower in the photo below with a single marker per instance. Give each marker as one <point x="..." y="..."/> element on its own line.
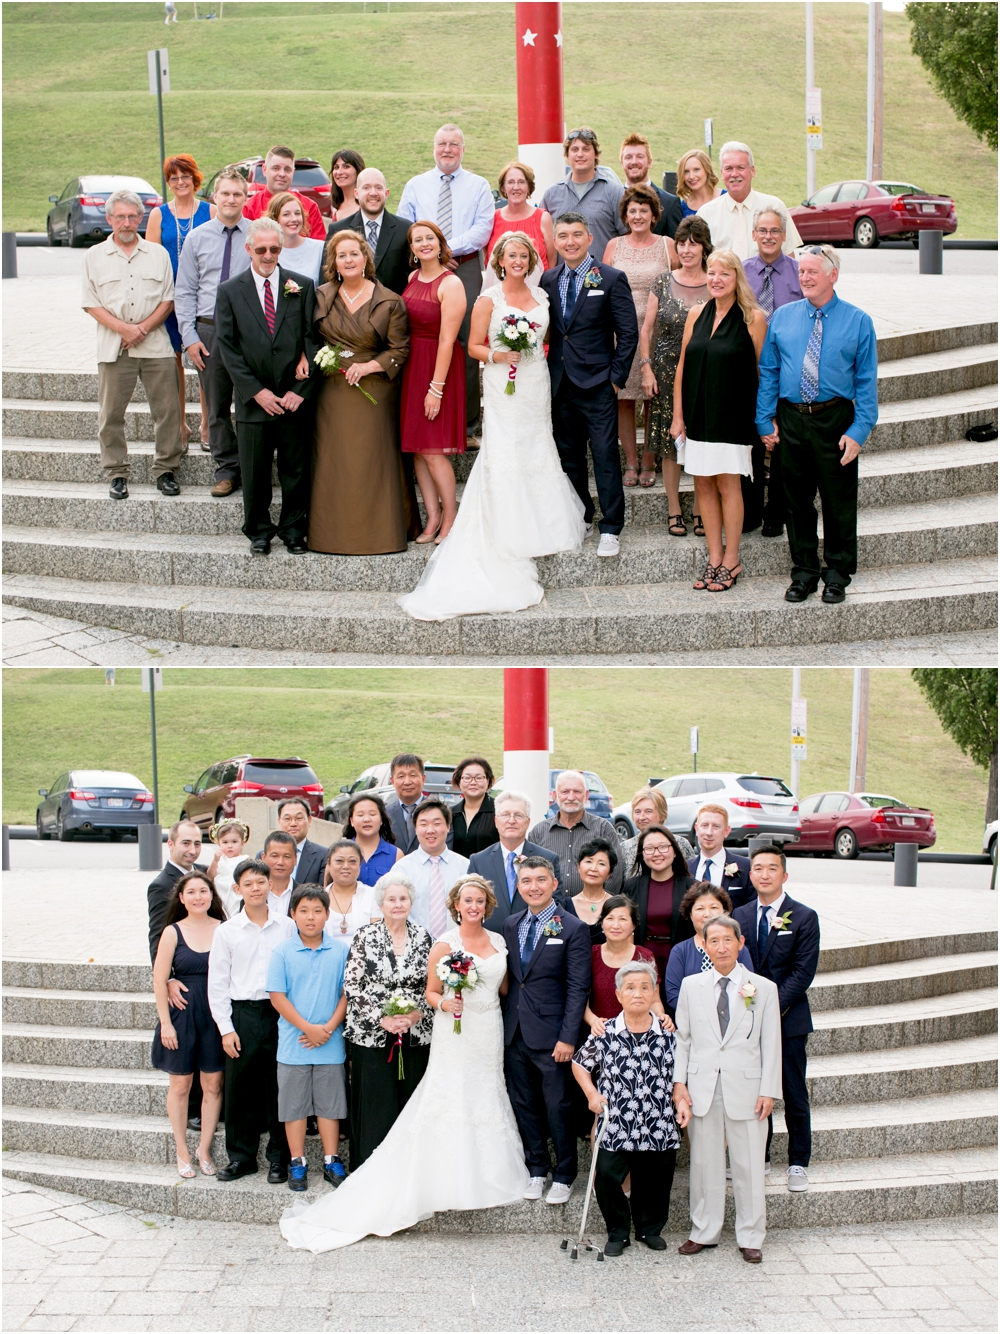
<point x="518" y="334"/>
<point x="458" y="972"/>
<point x="394" y="1007"/>
<point x="328" y="359"/>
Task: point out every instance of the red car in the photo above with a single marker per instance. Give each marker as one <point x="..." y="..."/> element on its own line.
<point x="213" y="796"/>
<point x="309" y="180"/>
<point x="844" y="823"/>
<point x="867" y="212"/>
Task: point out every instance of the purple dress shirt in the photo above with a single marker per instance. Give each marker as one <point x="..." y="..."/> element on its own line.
<point x="784" y="278"/>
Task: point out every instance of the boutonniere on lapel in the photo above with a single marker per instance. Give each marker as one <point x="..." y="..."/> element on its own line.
<point x="783" y="922"/>
<point x="553" y="927"/>
<point x="593" y="279"/>
<point x="749" y="993"/>
<point x="731" y="868"/>
<point x="291" y="288"/>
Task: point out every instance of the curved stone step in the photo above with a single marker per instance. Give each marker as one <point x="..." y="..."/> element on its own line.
<point x="938" y="1018"/>
<point x="932" y="420"/>
<point x="903" y="1072"/>
<point x="88" y="1009"/>
<point x="84" y="1047"/>
<point x="944" y="372"/>
<point x="98" y="1089"/>
<point x="835" y="959"/>
<point x="905" y="980"/>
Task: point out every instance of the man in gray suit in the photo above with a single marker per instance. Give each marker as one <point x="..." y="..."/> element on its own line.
<point x="498" y="864"/>
<point x="406" y="774"/>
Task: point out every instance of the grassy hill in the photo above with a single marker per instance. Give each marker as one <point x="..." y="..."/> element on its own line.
<point x="326" y="76"/>
<point x="625" y="724"/>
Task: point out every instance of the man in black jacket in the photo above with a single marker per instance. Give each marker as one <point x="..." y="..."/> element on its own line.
<point x="294" y="817"/>
<point x="715" y="862"/>
<point x="783" y="939"/>
<point x="636" y="159"/>
<point x="264" y="326"/>
<point x="385" y="232"/>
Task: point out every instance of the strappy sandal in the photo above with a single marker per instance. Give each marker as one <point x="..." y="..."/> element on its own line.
<point x="676" y="526"/>
<point x="724" y="578"/>
<point x="699" y="527"/>
<point x="647" y="476"/>
<point x="707" y="578"/>
<point x="208" y="1168"/>
<point x="635" y="476"/>
<point x="185" y="1170"/>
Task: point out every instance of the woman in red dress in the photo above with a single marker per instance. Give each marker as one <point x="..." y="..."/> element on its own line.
<point x="619" y="920"/>
<point x="432" y="416"/>
<point x="517" y="185"/>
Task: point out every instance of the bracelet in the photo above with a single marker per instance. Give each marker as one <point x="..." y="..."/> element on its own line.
<point x="489" y="357"/>
<point x="646" y="361"/>
<point x="436" y="393"/>
<point x="440" y="383"/>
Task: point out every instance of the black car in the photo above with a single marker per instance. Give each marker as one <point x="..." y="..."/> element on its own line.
<point x="77" y="218"/>
<point x="93" y="801"/>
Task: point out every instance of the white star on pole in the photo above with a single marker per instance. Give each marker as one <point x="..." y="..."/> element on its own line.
<point x="529" y="37"/>
<point x="559" y="38"/>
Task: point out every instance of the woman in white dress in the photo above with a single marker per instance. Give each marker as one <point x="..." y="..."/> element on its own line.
<point x="518" y="503"/>
<point x="455" y="1145"/>
<point x="352" y="903"/>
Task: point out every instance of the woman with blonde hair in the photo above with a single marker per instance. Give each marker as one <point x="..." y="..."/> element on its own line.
<point x="715" y="400"/>
<point x="697" y="182"/>
<point x="649" y="806"/>
<point x="299" y="252"/>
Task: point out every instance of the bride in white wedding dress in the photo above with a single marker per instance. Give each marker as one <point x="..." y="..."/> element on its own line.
<point x="455" y="1145"/>
<point x="518" y="503"/>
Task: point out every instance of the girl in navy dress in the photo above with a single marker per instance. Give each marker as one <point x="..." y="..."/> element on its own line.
<point x="368" y="825"/>
<point x="187" y="1039"/>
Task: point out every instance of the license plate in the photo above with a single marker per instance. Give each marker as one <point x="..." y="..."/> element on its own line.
<point x="908" y="819"/>
<point x="928" y="208"/>
<point x="776" y="810"/>
<point x="116" y="801"/>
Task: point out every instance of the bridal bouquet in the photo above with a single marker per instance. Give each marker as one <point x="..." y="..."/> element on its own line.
<point x="328" y="359"/>
<point x="394" y="1007"/>
<point x="518" y="334"/>
<point x="458" y="972"/>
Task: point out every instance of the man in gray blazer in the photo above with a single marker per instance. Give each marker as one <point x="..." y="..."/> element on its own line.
<point x="498" y="864"/>
<point x="727" y="1074"/>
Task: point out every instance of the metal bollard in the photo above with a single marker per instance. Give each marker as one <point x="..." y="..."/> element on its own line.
<point x="150" y="847"/>
<point x="904" y="871"/>
<point x="6" y="848"/>
<point x="10" y="255"/>
<point x="931" y="252"/>
<point x="754" y="843"/>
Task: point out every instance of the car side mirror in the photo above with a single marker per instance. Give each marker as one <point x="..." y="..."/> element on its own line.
<point x="188" y="787"/>
<point x="53" y="199"/>
<point x="345" y="788"/>
<point x="43" y="791"/>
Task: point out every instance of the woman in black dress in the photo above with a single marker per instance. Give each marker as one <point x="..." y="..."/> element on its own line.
<point x="473" y="820"/>
<point x="715" y="402"/>
<point x="657" y="891"/>
<point x="188" y="1040"/>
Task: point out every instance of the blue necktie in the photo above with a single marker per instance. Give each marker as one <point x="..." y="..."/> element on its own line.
<point x="529" y="944"/>
<point x="511" y="876"/>
<point x="809" y="380"/>
<point x="762" y="929"/>
<point x="570" y="295"/>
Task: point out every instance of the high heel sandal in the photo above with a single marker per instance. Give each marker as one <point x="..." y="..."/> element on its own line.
<point x="707" y="578"/>
<point x="208" y="1168"/>
<point x="676" y="526"/>
<point x="647" y="476"/>
<point x="699" y="527"/>
<point x="724" y="578"/>
<point x="635" y="476"/>
<point x="185" y="1170"/>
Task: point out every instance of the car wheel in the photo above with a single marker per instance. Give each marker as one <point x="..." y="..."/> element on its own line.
<point x="623" y="829"/>
<point x="63" y="834"/>
<point x="42" y="835"/>
<point x="52" y="238"/>
<point x="76" y="242"/>
<point x="845" y="845"/>
<point x="993" y="850"/>
<point x="115" y="835"/>
<point x="866" y="234"/>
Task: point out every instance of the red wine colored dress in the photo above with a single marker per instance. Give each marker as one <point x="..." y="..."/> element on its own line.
<point x="603" y="1000"/>
<point x="446" y="433"/>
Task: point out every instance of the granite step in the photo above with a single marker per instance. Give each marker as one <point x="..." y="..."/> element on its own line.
<point x="74" y="1088"/>
<point x="77" y="1045"/>
<point x="937" y="1018"/>
<point x="88" y="1009"/>
<point x="903" y="1072"/>
<point x="933" y="373"/>
<point x="923" y="342"/>
<point x="76" y="386"/>
<point x="932" y="420"/>
<point x="905" y="980"/>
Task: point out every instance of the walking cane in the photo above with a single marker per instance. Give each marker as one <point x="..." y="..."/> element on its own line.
<point x="587" y="1244"/>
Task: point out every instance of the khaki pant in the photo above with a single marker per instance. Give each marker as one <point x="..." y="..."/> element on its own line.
<point x="116" y="381"/>
<point x="708" y="1136"/>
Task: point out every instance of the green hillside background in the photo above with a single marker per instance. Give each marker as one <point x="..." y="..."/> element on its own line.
<point x="625" y="724"/>
<point x="329" y="76"/>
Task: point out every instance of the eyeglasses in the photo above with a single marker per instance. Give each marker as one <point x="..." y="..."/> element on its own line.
<point x="770" y="231"/>
<point x="125" y="217"/>
<point x="180" y="176"/>
<point x="813" y="250"/>
<point x="511" y="817"/>
<point x="582" y="134"/>
<point x="267" y="250"/>
<point x="656" y="849"/>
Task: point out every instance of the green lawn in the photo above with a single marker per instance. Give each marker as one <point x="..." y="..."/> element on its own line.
<point x="625" y="724"/>
<point x="326" y="76"/>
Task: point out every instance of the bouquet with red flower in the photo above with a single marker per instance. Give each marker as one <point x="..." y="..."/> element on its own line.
<point x="458" y="973"/>
<point x="518" y="334"/>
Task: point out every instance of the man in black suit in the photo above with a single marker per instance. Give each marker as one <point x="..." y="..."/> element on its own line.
<point x="385" y="232"/>
<point x="593" y="335"/>
<point x="715" y="862"/>
<point x="294" y="816"/>
<point x="264" y="326"/>
<point x="783" y="939"/>
<point x="636" y="159"/>
<point x="549" y="986"/>
<point x="498" y="864"/>
<point x="406" y="774"/>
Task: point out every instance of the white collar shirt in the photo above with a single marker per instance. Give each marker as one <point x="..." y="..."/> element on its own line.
<point x="130" y="287"/>
<point x="238" y="962"/>
<point x="731" y="223"/>
<point x="368" y="224"/>
<point x="259" y="284"/>
<point x="472" y="207"/>
<point x="712" y="868"/>
<point x="280" y="903"/>
<point x="418" y="867"/>
<point x="773" y="910"/>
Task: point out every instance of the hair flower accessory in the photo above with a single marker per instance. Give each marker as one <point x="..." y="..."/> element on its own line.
<point x="291" y="288"/>
<point x="731" y="868"/>
<point x="553" y="927"/>
<point x="749" y="992"/>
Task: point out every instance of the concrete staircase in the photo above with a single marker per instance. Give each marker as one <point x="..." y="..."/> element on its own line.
<point x="902" y="1069"/>
<point x="178" y="569"/>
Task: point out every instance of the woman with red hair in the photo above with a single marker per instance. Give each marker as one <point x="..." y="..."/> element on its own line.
<point x="170" y="227"/>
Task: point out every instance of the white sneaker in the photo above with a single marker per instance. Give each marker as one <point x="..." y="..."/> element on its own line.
<point x="535" y="1187"/>
<point x="608" y="545"/>
<point x="559" y="1193"/>
<point x="798" y="1178"/>
<point x="767" y="1169"/>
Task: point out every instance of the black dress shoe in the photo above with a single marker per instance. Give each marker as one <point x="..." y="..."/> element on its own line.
<point x="118" y="490"/>
<point x="312" y="1126"/>
<point x="276" y="1174"/>
<point x="260" y="546"/>
<point x="833" y="593"/>
<point x="798" y="591"/>
<point x="194" y="1123"/>
<point x="655" y="1242"/>
<point x="772" y="530"/>
<point x="167" y="484"/>
<point x="616" y="1247"/>
<point x="296" y="548"/>
<point x="233" y="1171"/>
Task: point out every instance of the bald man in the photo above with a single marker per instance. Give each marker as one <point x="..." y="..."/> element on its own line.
<point x="385" y="232"/>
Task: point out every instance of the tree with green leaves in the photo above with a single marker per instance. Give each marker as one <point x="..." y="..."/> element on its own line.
<point x="965" y="700"/>
<point x="957" y="46"/>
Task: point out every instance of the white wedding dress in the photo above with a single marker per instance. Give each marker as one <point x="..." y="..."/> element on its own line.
<point x="455" y="1145"/>
<point x="518" y="503"/>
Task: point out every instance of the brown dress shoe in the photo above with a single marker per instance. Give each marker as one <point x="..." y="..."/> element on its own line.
<point x="224" y="488"/>
<point x="693" y="1247"/>
<point x="751" y="1256"/>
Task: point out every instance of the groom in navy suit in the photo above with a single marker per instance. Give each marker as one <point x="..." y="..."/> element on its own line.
<point x="593" y="335"/>
<point x="549" y="986"/>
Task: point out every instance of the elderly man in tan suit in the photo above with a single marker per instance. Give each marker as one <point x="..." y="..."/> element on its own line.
<point x="727" y="1074"/>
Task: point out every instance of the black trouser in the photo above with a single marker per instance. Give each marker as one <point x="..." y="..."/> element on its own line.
<point x="539" y="1093"/>
<point x="218" y="390"/>
<point x="291" y="436"/>
<point x="251" y="1086"/>
<point x="795" y="1095"/>
<point x="774" y="509"/>
<point x="470" y="275"/>
<point x="753" y="490"/>
<point x="647" y="1209"/>
<point x="582" y="414"/>
<point x="811" y="461"/>
<point x="378" y="1095"/>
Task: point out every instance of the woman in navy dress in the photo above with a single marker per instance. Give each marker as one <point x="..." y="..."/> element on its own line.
<point x="170" y="226"/>
<point x="369" y="827"/>
<point x="700" y="904"/>
<point x="187" y="1039"/>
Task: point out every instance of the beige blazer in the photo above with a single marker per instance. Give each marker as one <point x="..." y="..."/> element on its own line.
<point x="748" y="1057"/>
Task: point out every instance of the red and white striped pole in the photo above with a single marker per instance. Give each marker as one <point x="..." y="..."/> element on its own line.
<point x="540" y="124"/>
<point x="526" y="735"/>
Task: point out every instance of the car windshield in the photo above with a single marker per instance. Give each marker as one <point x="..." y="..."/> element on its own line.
<point x="897" y="188"/>
<point x="278" y="775"/>
<point x="764" y="787"/>
<point x="106" y="778"/>
<point x="438" y="773"/>
<point x="870" y="800"/>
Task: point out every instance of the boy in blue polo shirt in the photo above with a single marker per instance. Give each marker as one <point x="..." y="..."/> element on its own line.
<point x="306" y="981"/>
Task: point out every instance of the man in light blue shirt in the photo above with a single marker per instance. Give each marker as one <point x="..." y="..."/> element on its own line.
<point x="817" y="403"/>
<point x="462" y="206"/>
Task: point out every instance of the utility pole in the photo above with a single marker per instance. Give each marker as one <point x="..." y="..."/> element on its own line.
<point x="876" y="100"/>
<point x="151" y="836"/>
<point x="859" y="729"/>
<point x="159" y="83"/>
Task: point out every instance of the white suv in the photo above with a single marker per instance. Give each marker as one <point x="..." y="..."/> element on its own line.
<point x="757" y="805"/>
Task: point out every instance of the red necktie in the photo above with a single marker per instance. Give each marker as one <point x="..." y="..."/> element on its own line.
<point x="269" y="307"/>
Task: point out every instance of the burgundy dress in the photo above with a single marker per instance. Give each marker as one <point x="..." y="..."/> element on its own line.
<point x="603" y="1000"/>
<point x="446" y="433"/>
<point x="659" y="920"/>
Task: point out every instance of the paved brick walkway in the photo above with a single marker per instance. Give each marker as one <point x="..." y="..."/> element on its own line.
<point x="72" y="1264"/>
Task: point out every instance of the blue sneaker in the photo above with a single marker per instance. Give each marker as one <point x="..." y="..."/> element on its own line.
<point x="298" y="1176"/>
<point x="335" y="1172"/>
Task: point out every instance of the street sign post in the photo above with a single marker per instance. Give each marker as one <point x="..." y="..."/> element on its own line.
<point x="694" y="747"/>
<point x="151" y="836"/>
<point x="159" y="83"/>
<point x="709" y="132"/>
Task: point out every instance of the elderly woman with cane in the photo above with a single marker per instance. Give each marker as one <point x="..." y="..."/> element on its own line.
<point x="633" y="1062"/>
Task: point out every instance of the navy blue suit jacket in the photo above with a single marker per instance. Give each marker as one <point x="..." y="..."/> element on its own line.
<point x="738" y="887"/>
<point x="789" y="961"/>
<point x="599" y="339"/>
<point x="549" y="998"/>
<point x="491" y="864"/>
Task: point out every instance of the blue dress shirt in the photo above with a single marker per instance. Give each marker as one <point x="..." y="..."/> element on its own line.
<point x="472" y="208"/>
<point x="848" y="364"/>
<point x="579" y="273"/>
<point x="199" y="271"/>
<point x="784" y="279"/>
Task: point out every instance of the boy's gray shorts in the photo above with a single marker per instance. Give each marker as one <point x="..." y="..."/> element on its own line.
<point x="311" y="1090"/>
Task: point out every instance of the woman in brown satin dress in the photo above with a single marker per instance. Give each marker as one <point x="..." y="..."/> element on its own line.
<point x="358" y="506"/>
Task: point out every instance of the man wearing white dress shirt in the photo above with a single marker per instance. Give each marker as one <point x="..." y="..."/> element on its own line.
<point x="294" y="817"/>
<point x="433" y="867"/>
<point x="714" y="862"/>
<point x="730" y="217"/>
<point x="279" y="857"/>
<point x="385" y="232"/>
<point x="462" y="206"/>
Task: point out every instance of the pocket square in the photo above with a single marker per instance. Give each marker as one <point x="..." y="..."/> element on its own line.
<point x="553" y="942"/>
<point x="595" y="293"/>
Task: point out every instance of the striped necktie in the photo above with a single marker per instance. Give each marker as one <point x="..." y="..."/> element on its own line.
<point x="437" y="912"/>
<point x="444" y="206"/>
<point x="809" y="380"/>
<point x="269" y="306"/>
<point x="765" y="298"/>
